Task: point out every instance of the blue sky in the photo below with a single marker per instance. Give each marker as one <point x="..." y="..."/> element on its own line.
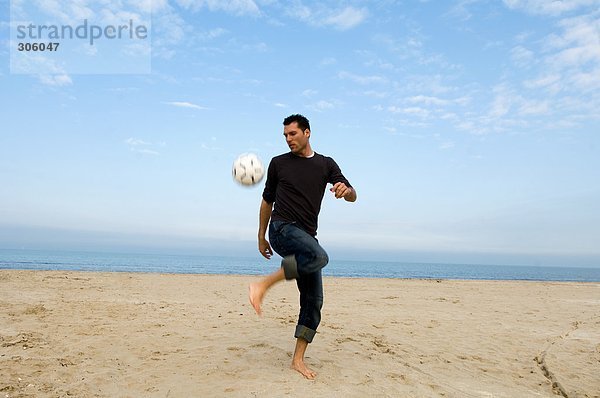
<point x="470" y="129"/>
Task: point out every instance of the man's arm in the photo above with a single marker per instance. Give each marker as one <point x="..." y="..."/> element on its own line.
<point x="341" y="190"/>
<point x="341" y="187"/>
<point x="264" y="247"/>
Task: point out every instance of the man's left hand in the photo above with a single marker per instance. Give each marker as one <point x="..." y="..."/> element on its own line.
<point x="341" y="190"/>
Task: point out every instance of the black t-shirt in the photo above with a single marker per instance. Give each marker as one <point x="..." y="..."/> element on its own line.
<point x="297" y="184"/>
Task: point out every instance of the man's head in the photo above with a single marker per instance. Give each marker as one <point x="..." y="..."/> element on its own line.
<point x="296" y="129"/>
<point x="302" y="121"/>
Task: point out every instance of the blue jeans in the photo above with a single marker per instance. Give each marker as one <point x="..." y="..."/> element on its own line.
<point x="303" y="259"/>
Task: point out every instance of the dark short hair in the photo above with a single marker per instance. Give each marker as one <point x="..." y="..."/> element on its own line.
<point x="302" y="121"/>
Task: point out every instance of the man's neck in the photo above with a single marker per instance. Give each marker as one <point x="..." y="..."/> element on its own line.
<point x="306" y="153"/>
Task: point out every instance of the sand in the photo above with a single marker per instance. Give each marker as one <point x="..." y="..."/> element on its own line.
<point x="85" y="334"/>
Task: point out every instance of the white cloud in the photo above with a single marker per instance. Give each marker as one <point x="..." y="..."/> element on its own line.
<point x="360" y="79"/>
<point x="108" y="11"/>
<point x="347" y="18"/>
<point x="544" y="81"/>
<point x="522" y="57"/>
<point x="52" y="72"/>
<point x="328" y="61"/>
<point x="146" y="151"/>
<point x="56" y="80"/>
<point x="169" y="30"/>
<point x="211" y="146"/>
<point x="182" y="104"/>
<point x="534" y="107"/>
<point x="571" y="57"/>
<point x="588" y="80"/>
<point x="140" y="146"/>
<point x="549" y="7"/>
<point x="502" y="103"/>
<point x="436" y="101"/>
<point x="322" y="105"/>
<point x="299" y="11"/>
<point x="422" y="99"/>
<point x="321" y="15"/>
<point x="151" y="5"/>
<point x="447" y="145"/>
<point x="136" y="141"/>
<point x="461" y="10"/>
<point x="260" y="47"/>
<point x="411" y="111"/>
<point x="56" y="9"/>
<point x="580" y="42"/>
<point x="214" y="33"/>
<point x="235" y="7"/>
<point x="376" y="94"/>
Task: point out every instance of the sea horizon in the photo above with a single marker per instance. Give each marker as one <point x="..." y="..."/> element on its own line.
<point x="97" y="261"/>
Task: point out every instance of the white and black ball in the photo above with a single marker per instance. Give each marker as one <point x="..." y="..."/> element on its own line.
<point x="248" y="169"/>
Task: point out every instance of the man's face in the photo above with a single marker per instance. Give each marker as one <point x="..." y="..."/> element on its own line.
<point x="296" y="138"/>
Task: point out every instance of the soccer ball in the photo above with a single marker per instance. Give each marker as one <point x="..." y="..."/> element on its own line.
<point x="248" y="169"/>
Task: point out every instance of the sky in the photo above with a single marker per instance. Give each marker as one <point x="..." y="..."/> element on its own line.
<point x="469" y="128"/>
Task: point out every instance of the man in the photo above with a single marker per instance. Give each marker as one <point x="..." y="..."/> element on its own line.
<point x="292" y="197"/>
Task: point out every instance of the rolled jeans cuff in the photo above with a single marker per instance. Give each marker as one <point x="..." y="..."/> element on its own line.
<point x="290" y="267"/>
<point x="305" y="333"/>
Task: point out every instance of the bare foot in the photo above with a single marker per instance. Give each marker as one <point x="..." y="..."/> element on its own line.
<point x="304" y="371"/>
<point x="255" y="294"/>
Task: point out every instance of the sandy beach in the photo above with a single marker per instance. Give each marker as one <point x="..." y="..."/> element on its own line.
<point x="85" y="334"/>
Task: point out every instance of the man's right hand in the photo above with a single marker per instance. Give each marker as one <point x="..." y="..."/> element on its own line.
<point x="264" y="248"/>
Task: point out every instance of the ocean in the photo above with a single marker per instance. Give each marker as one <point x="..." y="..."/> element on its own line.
<point x="189" y="264"/>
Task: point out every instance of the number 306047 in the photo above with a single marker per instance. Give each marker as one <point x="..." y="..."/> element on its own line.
<point x="38" y="46"/>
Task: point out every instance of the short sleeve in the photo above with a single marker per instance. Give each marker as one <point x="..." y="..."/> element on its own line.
<point x="271" y="183"/>
<point x="334" y="173"/>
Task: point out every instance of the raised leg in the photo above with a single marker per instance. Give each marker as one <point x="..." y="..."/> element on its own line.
<point x="257" y="290"/>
